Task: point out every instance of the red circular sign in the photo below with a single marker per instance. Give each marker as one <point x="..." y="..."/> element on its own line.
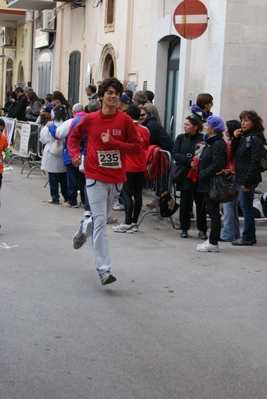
<point x="190" y="19"/>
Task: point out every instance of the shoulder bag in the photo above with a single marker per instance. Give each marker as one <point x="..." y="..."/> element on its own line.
<point x="223" y="187"/>
<point x="179" y="173"/>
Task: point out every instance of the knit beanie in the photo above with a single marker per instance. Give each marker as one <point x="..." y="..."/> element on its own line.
<point x="216" y="124"/>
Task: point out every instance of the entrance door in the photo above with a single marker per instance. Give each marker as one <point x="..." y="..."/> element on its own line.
<point x="74" y="77"/>
<point x="172" y="87"/>
<point x="44" y="75"/>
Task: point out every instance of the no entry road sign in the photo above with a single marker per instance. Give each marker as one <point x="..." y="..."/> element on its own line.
<point x="190" y="19"/>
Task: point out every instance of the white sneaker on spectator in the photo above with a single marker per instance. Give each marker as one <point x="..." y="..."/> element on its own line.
<point x="123" y="228"/>
<point x="111" y="220"/>
<point x="118" y="206"/>
<point x="134" y="227"/>
<point x="207" y="247"/>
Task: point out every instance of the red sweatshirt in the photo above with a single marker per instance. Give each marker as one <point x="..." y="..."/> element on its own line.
<point x="105" y="161"/>
<point x="3" y="147"/>
<point x="138" y="163"/>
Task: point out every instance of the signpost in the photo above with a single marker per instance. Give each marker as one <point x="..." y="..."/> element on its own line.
<point x="190" y="19"/>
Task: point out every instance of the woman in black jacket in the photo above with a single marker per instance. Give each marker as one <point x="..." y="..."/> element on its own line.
<point x="13" y="101"/>
<point x="213" y="159"/>
<point x="247" y="148"/>
<point x="183" y="152"/>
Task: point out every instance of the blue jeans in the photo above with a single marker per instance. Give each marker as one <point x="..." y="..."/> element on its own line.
<point x="54" y="180"/>
<point x="246" y="204"/>
<point x="230" y="231"/>
<point x="73" y="181"/>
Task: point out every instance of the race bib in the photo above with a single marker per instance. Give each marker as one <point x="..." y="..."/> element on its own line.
<point x="109" y="159"/>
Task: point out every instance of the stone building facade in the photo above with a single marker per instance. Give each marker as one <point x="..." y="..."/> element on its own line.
<point x="70" y="44"/>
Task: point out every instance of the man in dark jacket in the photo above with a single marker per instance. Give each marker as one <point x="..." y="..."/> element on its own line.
<point x="158" y="135"/>
<point x="21" y="104"/>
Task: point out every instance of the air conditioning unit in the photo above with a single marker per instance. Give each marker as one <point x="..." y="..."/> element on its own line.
<point x="48" y="20"/>
<point x="8" y="36"/>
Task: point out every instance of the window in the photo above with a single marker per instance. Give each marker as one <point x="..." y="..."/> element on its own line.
<point x="109" y="19"/>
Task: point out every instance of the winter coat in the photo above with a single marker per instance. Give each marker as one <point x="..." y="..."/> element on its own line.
<point x="19" y="111"/>
<point x="63" y="132"/>
<point x="11" y="110"/>
<point x="185" y="144"/>
<point x="158" y="135"/>
<point x="247" y="150"/>
<point x="213" y="159"/>
<point x="50" y="162"/>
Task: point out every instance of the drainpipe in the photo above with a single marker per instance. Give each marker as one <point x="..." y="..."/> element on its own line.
<point x="129" y="37"/>
<point x="30" y="23"/>
<point x="2" y="78"/>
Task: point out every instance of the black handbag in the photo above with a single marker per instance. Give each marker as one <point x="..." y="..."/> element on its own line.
<point x="178" y="173"/>
<point x="30" y="117"/>
<point x="223" y="187"/>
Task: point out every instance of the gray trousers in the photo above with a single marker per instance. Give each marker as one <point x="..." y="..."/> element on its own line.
<point x="102" y="197"/>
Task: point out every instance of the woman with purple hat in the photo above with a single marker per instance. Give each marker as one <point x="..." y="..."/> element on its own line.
<point x="213" y="159"/>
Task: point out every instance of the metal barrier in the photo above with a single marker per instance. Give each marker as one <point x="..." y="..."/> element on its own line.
<point x="162" y="181"/>
<point x="35" y="157"/>
<point x="25" y="145"/>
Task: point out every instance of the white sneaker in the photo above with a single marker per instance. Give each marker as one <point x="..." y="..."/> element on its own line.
<point x="111" y="220"/>
<point x="123" y="228"/>
<point x="87" y="214"/>
<point x="107" y="278"/>
<point x="118" y="206"/>
<point x="83" y="233"/>
<point x="134" y="227"/>
<point x="207" y="247"/>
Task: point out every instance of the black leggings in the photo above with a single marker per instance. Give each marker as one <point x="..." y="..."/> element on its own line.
<point x="215" y="219"/>
<point x="132" y="188"/>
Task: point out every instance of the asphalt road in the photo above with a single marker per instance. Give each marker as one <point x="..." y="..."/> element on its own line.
<point x="177" y="324"/>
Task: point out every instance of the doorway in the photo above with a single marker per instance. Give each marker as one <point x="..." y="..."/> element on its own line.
<point x="44" y="75"/>
<point x="172" y="87"/>
<point x="74" y="77"/>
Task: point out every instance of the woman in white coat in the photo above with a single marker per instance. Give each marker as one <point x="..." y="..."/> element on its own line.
<point x="52" y="163"/>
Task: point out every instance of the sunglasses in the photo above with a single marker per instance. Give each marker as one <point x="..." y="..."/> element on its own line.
<point x="142" y="115"/>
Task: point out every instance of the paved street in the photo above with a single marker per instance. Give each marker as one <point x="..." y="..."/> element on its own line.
<point x="177" y="324"/>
